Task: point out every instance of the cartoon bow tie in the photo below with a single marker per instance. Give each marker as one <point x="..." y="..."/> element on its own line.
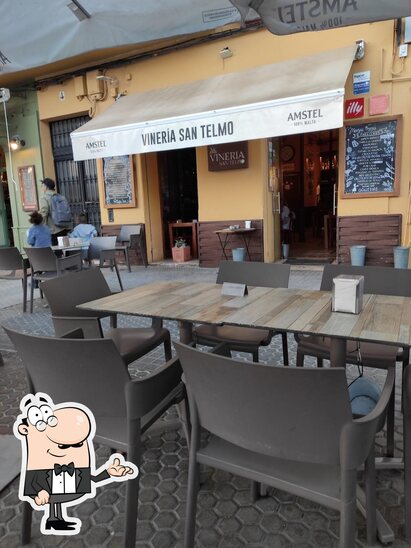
<point x="69" y="468"/>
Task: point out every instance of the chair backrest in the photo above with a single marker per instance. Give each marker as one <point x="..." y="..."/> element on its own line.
<point x="380" y="280"/>
<point x="63" y="294"/>
<point x="99" y="243"/>
<point x="253" y="273"/>
<point x="42" y="259"/>
<point x="87" y="371"/>
<point x="127" y="230"/>
<point x="10" y="258"/>
<point x="286" y="412"/>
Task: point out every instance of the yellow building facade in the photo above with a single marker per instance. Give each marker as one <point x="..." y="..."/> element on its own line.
<point x="244" y="194"/>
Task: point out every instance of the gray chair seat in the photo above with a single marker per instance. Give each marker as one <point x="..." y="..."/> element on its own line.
<point x="14" y="267"/>
<point x="64" y="295"/>
<point x="246" y="339"/>
<point x="372" y="354"/>
<point x="92" y="372"/>
<point x="233" y="335"/>
<point x="291" y="476"/>
<point x="290" y="428"/>
<point x="115" y="428"/>
<point x="134" y="342"/>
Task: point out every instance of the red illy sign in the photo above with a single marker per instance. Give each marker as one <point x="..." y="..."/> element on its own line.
<point x="354" y="108"/>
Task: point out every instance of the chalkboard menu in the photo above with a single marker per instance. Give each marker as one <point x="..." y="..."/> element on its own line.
<point x="118" y="182"/>
<point x="372" y="158"/>
<point x="28" y="190"/>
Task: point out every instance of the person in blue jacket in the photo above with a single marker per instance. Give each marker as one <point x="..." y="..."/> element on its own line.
<point x="38" y="235"/>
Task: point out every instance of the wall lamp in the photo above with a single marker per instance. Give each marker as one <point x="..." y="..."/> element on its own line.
<point x="225" y="53"/>
<point x="112" y="81"/>
<point x="16" y="143"/>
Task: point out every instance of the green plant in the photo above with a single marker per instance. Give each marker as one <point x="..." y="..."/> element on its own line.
<point x="180" y="242"/>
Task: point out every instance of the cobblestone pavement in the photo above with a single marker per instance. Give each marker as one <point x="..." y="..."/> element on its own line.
<point x="227" y="518"/>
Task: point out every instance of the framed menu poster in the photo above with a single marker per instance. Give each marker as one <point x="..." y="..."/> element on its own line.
<point x="372" y="158"/>
<point x="28" y="189"/>
<point x="119" y="190"/>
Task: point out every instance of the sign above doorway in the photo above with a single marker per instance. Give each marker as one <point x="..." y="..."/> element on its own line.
<point x="228" y="156"/>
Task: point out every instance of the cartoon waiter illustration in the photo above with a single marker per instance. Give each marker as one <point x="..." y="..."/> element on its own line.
<point x="58" y="461"/>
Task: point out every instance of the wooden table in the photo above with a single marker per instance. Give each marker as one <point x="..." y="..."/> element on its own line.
<point x="245" y="233"/>
<point x="385" y="319"/>
<point x="193" y="226"/>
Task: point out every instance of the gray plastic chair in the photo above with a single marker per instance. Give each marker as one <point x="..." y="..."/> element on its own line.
<point x="246" y="339"/>
<point x="46" y="265"/>
<point x="14" y="267"/>
<point x="102" y="248"/>
<point x="63" y="296"/>
<point x="378" y="280"/>
<point x="132" y="237"/>
<point x="92" y="372"/>
<point x="289" y="428"/>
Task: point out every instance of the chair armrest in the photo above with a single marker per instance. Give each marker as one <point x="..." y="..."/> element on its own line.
<point x="75" y="334"/>
<point x="90" y="326"/>
<point x="68" y="262"/>
<point x="107" y="255"/>
<point x="360" y="433"/>
<point x="142" y="395"/>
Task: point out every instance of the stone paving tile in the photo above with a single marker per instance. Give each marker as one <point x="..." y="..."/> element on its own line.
<point x="226" y="515"/>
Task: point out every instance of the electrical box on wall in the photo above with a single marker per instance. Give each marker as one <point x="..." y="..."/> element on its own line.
<point x="95" y="87"/>
<point x="407" y="30"/>
<point x="80" y="87"/>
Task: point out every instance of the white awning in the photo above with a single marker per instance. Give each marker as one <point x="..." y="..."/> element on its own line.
<point x="295" y="96"/>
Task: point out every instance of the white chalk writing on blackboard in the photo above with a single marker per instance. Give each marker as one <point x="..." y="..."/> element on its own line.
<point x="118" y="180"/>
<point x="370" y="157"/>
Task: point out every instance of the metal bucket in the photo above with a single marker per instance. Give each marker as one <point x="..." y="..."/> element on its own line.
<point x="239" y="254"/>
<point x="357" y="253"/>
<point x="401" y="256"/>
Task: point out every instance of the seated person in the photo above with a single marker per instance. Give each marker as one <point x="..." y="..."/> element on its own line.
<point x="38" y="235"/>
<point x="85" y="231"/>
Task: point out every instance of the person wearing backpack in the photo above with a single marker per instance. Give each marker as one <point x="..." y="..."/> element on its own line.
<point x="55" y="210"/>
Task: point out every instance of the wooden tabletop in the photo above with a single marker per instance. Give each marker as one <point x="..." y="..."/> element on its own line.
<point x="384" y="318"/>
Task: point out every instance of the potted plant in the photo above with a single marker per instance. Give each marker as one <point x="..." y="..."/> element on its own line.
<point x="180" y="251"/>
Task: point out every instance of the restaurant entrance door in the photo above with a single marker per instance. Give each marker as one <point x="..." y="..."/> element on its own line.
<point x="309" y="188"/>
<point x="178" y="188"/>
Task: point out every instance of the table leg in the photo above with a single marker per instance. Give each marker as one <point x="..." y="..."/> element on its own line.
<point x="338" y="352"/>
<point x="407" y="454"/>
<point x="186" y="332"/>
<point x="223" y="245"/>
<point x="194" y="241"/>
<point x="246" y="246"/>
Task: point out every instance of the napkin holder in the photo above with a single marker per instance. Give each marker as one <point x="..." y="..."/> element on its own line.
<point x="347" y="295"/>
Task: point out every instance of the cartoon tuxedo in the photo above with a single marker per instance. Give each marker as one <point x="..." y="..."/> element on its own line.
<point x="58" y="460"/>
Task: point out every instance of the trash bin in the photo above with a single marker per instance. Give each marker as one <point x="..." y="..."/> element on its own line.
<point x="239" y="254"/>
<point x="357" y="253"/>
<point x="401" y="256"/>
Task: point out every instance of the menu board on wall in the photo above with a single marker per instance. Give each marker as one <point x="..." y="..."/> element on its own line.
<point x="28" y="189"/>
<point x="118" y="182"/>
<point x="372" y="158"/>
